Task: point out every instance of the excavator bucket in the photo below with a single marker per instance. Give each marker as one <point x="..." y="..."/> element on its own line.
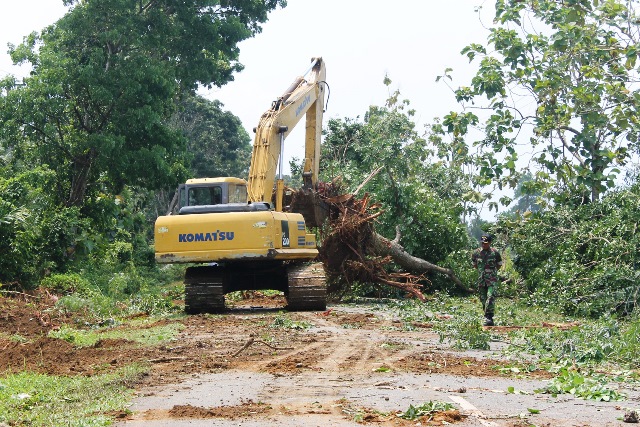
<point x="312" y="207"/>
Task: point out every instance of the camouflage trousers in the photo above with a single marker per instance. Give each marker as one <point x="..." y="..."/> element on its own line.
<point x="487" y="291"/>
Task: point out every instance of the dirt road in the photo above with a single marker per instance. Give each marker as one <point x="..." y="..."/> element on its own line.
<point x="346" y="367"/>
<point x="260" y="366"/>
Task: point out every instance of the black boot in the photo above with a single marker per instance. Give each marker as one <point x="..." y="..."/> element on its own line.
<point x="488" y="321"/>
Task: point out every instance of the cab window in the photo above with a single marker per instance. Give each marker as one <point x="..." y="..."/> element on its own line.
<point x="182" y="198"/>
<point x="199" y="196"/>
<point x="237" y="193"/>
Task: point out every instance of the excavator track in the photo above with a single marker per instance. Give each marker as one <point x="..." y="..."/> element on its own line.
<point x="204" y="290"/>
<point x="307" y="288"/>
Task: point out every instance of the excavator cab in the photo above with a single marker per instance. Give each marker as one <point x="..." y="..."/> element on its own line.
<point x="202" y="192"/>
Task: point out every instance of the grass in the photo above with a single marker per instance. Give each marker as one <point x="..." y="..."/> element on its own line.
<point x="143" y="336"/>
<point x="34" y="400"/>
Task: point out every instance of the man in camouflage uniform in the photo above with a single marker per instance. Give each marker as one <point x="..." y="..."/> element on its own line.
<point x="487" y="261"/>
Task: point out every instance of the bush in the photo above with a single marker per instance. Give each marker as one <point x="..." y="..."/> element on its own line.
<point x="627" y="347"/>
<point x="460" y="262"/>
<point x="65" y="283"/>
<point x="36" y="234"/>
<point x="583" y="260"/>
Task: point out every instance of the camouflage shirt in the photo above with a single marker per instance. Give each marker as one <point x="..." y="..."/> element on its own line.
<point x="487" y="262"/>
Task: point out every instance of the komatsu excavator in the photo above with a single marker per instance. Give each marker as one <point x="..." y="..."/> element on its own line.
<point x="243" y="239"/>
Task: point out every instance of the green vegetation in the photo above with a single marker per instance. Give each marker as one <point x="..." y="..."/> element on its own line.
<point x="283" y="321"/>
<point x="419" y="196"/>
<point x="104" y="294"/>
<point x="555" y="339"/>
<point x="146" y="336"/>
<point x="41" y="400"/>
<point x="426" y="409"/>
<point x="465" y="332"/>
<point x="574" y="383"/>
<point x="589" y="344"/>
<point x="582" y="260"/>
<point x="589" y="358"/>
<point x="81" y="184"/>
<point x="95" y="139"/>
<point x="578" y="65"/>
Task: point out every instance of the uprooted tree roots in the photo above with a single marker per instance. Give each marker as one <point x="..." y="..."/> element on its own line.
<point x="352" y="251"/>
<point x="347" y="248"/>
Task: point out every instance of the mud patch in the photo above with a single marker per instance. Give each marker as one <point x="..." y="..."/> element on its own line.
<point x="30" y="315"/>
<point x="356" y="320"/>
<point x="438" y="362"/>
<point x="245" y="410"/>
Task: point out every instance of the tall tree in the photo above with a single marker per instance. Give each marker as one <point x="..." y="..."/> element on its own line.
<point x="420" y="196"/>
<point x="577" y="61"/>
<point x="216" y="141"/>
<point x="105" y="80"/>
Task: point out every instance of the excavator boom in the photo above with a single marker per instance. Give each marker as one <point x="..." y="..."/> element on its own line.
<point x="305" y="97"/>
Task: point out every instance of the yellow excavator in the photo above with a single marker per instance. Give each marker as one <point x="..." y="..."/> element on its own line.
<point x="241" y="238"/>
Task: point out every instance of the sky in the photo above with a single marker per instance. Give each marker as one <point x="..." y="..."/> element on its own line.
<point x="410" y="41"/>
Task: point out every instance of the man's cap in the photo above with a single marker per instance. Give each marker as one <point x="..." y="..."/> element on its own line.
<point x="486" y="238"/>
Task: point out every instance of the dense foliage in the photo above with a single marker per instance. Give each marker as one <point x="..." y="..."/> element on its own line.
<point x="419" y="195"/>
<point x="105" y="80"/>
<point x="559" y="77"/>
<point x="106" y="125"/>
<point x="217" y="144"/>
<point x="583" y="260"/>
<point x="35" y="234"/>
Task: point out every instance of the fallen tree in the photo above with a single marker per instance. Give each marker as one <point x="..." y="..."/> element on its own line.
<point x="382" y="246"/>
<point x="352" y="251"/>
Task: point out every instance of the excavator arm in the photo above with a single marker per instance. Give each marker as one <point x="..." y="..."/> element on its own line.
<point x="305" y="97"/>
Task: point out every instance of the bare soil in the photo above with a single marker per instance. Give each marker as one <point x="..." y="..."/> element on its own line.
<point x="350" y="348"/>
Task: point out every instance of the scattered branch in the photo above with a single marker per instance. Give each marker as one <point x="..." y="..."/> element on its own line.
<point x="251" y="340"/>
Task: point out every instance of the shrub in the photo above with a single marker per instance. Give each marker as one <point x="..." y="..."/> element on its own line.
<point x="65" y="283"/>
<point x="583" y="260"/>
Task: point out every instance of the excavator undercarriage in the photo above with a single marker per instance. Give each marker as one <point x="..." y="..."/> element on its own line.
<point x="302" y="283"/>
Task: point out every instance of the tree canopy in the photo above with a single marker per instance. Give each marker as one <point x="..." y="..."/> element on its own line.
<point x="217" y="144"/>
<point x="105" y="80"/>
<point x="577" y="61"/>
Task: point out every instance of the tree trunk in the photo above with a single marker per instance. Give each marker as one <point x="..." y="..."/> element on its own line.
<point x="382" y="246"/>
<point x="80" y="178"/>
<point x="173" y="203"/>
